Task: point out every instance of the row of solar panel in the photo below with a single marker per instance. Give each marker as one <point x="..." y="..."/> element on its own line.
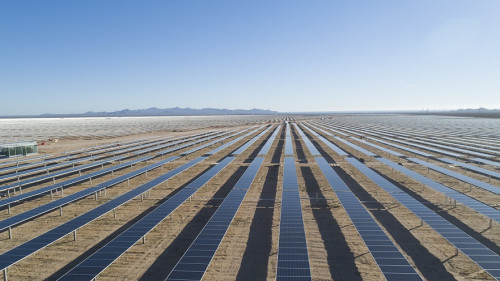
<point x="480" y="170"/>
<point x="476" y="251"/>
<point x="472" y="203"/>
<point x="267" y="146"/>
<point x="95" y="264"/>
<point x="415" y="142"/>
<point x="310" y="146"/>
<point x="330" y="144"/>
<point x="292" y="245"/>
<point x="293" y="257"/>
<point x="391" y="262"/>
<point x="79" y="179"/>
<point x="89" y="166"/>
<point x="288" y="141"/>
<point x="467" y="147"/>
<point x="34" y="245"/>
<point x="458" y="176"/>
<point x="68" y="157"/>
<point x="460" y="197"/>
<point x="195" y="261"/>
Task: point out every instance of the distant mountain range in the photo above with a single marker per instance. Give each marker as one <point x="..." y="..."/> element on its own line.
<point x="468" y="112"/>
<point x="175" y="111"/>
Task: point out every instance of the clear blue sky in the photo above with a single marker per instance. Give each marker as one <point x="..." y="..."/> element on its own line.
<point x="77" y="56"/>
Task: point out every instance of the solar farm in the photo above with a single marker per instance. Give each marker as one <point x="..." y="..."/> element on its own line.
<point x="297" y="197"/>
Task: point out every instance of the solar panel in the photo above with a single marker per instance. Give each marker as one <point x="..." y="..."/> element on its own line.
<point x="292" y="245"/>
<point x="199" y="255"/>
<point x="115" y="181"/>
<point x="380" y="147"/>
<point x="60" y="173"/>
<point x="43" y="169"/>
<point x="426" y="147"/>
<point x="10" y="257"/>
<point x="472" y="168"/>
<point x="466" y="151"/>
<point x="115" y="248"/>
<point x="330" y="144"/>
<point x="269" y="142"/>
<point x="487" y="162"/>
<point x="94" y="164"/>
<point x="288" y="141"/>
<point x="35" y="212"/>
<point x="329" y="128"/>
<point x="460" y="197"/>
<point x="371" y="233"/>
<point x="467" y="147"/>
<point x="249" y="143"/>
<point x="414" y="151"/>
<point x="357" y="147"/>
<point x="34" y="245"/>
<point x="308" y="143"/>
<point x="474" y="250"/>
<point x="464" y="178"/>
<point x="220" y="148"/>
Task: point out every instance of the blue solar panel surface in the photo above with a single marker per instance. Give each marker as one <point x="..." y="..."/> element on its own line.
<point x="293" y="258"/>
<point x="472" y="203"/>
<point x="464" y="178"/>
<point x="476" y="251"/>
